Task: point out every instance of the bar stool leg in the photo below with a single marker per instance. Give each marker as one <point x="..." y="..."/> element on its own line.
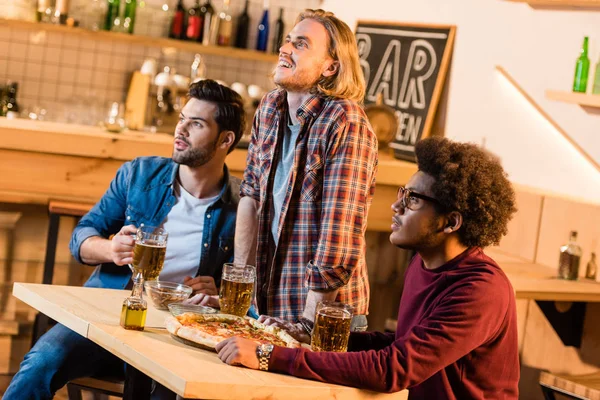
<point x="40" y="324"/>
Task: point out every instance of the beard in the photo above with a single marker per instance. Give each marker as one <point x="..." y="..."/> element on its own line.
<point x="195" y="157"/>
<point x="300" y="81"/>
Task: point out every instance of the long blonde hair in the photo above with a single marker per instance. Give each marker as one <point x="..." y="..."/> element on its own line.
<point x="349" y="81"/>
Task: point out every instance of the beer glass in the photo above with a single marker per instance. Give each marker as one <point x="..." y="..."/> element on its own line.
<point x="237" y="288"/>
<point x="149" y="251"/>
<point x="332" y="327"/>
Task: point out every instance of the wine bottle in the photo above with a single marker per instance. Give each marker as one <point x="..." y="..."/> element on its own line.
<point x="278" y="36"/>
<point x="570" y="255"/>
<point x="582" y="68"/>
<point x="194" y="23"/>
<point x="177" y="30"/>
<point x="241" y="36"/>
<point x="208" y="33"/>
<point x="263" y="29"/>
<point x="112" y="12"/>
<point x="129" y="20"/>
<point x="224" y="25"/>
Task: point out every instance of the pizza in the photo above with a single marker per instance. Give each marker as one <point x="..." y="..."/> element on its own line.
<point x="209" y="329"/>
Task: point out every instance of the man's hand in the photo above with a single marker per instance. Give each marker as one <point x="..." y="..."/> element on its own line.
<point x="238" y="351"/>
<point x="295" y="330"/>
<point x="204" y="300"/>
<point x="202" y="284"/>
<point x="121" y="245"/>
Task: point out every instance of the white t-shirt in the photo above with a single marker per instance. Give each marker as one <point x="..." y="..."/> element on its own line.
<point x="184" y="223"/>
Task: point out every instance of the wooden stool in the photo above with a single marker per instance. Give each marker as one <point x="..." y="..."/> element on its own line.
<point x="56" y="209"/>
<point x="585" y="387"/>
<point x="99" y="387"/>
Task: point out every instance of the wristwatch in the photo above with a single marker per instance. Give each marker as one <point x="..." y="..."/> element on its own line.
<point x="263" y="352"/>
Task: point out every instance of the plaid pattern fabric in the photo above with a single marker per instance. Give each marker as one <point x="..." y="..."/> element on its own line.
<point x="324" y="213"/>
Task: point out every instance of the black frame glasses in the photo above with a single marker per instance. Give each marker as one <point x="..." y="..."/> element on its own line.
<point x="404" y="194"/>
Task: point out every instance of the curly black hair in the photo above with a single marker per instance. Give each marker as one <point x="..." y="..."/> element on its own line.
<point x="230" y="115"/>
<point x="471" y="181"/>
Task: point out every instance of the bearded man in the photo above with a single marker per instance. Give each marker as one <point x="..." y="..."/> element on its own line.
<point x="191" y="195"/>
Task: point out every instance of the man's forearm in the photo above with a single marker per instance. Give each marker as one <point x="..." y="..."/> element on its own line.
<point x="246" y="231"/>
<point x="95" y="250"/>
<point x="313" y="297"/>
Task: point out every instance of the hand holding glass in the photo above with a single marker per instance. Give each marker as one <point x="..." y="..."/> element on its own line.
<point x="332" y="327"/>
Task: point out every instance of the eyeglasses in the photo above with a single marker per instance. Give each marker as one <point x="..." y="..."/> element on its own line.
<point x="410" y="199"/>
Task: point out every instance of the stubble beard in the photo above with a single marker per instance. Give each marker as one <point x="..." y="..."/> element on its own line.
<point x="195" y="157"/>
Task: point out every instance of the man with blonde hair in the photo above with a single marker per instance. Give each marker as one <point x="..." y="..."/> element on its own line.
<point x="309" y="180"/>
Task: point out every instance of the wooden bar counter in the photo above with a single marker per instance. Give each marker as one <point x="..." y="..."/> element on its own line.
<point x="45" y="160"/>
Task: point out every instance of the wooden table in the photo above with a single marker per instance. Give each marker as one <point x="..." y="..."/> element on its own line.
<point x="189" y="372"/>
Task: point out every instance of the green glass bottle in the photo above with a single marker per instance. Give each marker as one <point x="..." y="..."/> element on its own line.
<point x="596" y="87"/>
<point x="582" y="69"/>
<point x="129" y="20"/>
<point x="112" y="12"/>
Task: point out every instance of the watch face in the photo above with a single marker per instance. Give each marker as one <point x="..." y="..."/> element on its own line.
<point x="267" y="348"/>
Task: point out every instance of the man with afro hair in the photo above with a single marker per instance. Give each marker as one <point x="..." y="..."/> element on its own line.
<point x="457" y="326"/>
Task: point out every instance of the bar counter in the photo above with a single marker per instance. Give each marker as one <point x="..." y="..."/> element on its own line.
<point x="47" y="160"/>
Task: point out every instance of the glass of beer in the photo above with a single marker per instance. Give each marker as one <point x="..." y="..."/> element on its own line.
<point x="237" y="288"/>
<point x="149" y="251"/>
<point x="332" y="327"/>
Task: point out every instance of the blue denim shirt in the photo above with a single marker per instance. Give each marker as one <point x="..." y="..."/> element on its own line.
<point x="142" y="192"/>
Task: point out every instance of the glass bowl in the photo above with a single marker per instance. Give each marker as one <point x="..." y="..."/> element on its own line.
<point x="178" y="309"/>
<point x="163" y="293"/>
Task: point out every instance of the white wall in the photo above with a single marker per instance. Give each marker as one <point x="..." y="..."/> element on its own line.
<point x="538" y="49"/>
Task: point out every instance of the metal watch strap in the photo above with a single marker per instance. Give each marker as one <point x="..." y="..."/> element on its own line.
<point x="263" y="357"/>
<point x="307" y="324"/>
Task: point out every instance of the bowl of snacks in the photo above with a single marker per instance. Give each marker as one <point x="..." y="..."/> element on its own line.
<point x="180" y="308"/>
<point x="163" y="293"/>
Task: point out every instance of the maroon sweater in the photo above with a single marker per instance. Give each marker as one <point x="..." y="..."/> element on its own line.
<point x="456" y="338"/>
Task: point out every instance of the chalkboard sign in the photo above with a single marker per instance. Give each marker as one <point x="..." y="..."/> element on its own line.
<point x="407" y="64"/>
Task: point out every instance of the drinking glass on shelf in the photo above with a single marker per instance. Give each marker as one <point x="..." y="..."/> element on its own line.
<point x="148" y="259"/>
<point x="332" y="327"/>
<point x="237" y="288"/>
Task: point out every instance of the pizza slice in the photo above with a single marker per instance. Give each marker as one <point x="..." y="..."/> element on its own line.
<point x="210" y="329"/>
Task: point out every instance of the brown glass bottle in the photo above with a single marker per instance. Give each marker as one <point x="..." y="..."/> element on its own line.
<point x="570" y="257"/>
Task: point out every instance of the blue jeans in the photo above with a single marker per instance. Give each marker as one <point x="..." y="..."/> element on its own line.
<point x="58" y="357"/>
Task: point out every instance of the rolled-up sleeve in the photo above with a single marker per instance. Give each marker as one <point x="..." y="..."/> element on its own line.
<point x="107" y="216"/>
<point x="348" y="186"/>
<point x="250" y="185"/>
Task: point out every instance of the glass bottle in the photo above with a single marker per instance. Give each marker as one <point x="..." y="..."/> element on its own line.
<point x="112" y="12"/>
<point x="225" y="25"/>
<point x="596" y="87"/>
<point x="177" y="30"/>
<point x="241" y="36"/>
<point x="134" y="309"/>
<point x="3" y="100"/>
<point x="61" y="11"/>
<point x="11" y="108"/>
<point x="591" y="269"/>
<point x="263" y="29"/>
<point x="278" y="35"/>
<point x="194" y="22"/>
<point x="129" y="19"/>
<point x="582" y="69"/>
<point x="208" y="33"/>
<point x="570" y="256"/>
<point x="43" y="7"/>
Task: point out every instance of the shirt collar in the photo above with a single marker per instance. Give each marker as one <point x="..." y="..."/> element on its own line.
<point x="226" y="194"/>
<point x="309" y="109"/>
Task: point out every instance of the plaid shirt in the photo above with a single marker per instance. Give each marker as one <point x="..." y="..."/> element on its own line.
<point x="324" y="214"/>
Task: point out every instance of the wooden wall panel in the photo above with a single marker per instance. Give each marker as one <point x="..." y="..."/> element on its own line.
<point x="559" y="217"/>
<point x="523" y="229"/>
